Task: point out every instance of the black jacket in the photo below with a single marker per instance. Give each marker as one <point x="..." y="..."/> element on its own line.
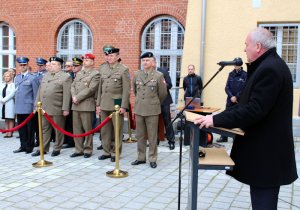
<point x="191" y="85"/>
<point x="168" y="100"/>
<point x="264" y="156"/>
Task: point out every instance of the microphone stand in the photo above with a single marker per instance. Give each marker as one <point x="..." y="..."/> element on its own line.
<point x="181" y="117"/>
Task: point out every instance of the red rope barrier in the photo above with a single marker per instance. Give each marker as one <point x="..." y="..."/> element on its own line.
<point x="76" y="135"/>
<point x="19" y="126"/>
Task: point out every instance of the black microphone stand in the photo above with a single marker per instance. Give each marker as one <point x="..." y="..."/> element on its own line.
<point x="182" y="117"/>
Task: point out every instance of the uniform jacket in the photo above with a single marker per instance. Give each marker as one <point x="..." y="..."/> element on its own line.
<point x="168" y="100"/>
<point x="149" y="92"/>
<point x="8" y="100"/>
<point x="55" y="93"/>
<point x="26" y="91"/>
<point x="191" y="85"/>
<point x="84" y="88"/>
<point x="264" y="156"/>
<point x="114" y="84"/>
<point x="40" y="75"/>
<point x="235" y="84"/>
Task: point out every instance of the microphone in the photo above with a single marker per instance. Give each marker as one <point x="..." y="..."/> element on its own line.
<point x="236" y="62"/>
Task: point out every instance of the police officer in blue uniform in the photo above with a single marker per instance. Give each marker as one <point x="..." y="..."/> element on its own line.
<point x="26" y="90"/>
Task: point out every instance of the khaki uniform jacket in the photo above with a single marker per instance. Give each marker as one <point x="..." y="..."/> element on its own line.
<point x="84" y="88"/>
<point x="55" y="93"/>
<point x="150" y="92"/>
<point x="114" y="84"/>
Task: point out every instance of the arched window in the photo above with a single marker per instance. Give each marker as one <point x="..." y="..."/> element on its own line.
<point x="7" y="48"/>
<point x="164" y="37"/>
<point x="74" y="39"/>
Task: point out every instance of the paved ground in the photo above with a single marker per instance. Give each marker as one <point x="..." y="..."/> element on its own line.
<point x="79" y="183"/>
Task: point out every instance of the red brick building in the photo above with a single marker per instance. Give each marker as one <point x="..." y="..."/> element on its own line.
<point x="40" y="28"/>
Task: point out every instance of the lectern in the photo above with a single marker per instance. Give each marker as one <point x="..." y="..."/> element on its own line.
<point x="215" y="158"/>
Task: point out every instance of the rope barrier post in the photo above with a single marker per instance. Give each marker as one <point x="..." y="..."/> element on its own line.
<point x="130" y="138"/>
<point x="42" y="162"/>
<point x="117" y="173"/>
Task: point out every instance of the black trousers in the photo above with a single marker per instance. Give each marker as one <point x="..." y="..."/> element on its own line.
<point x="26" y="133"/>
<point x="165" y="111"/>
<point x="264" y="198"/>
<point x="69" y="127"/>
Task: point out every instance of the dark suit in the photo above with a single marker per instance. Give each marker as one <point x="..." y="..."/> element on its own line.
<point x="165" y="106"/>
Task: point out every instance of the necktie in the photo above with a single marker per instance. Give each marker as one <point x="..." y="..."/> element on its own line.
<point x="146" y="75"/>
<point x="22" y="76"/>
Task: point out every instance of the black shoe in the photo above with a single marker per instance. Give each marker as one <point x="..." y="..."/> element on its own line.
<point x="171" y="145"/>
<point x="65" y="146"/>
<point x="100" y="147"/>
<point x="103" y="157"/>
<point x="29" y="151"/>
<point x="19" y="150"/>
<point x="153" y="164"/>
<point x="87" y="155"/>
<point x="76" y="154"/>
<point x="55" y="153"/>
<point x="113" y="159"/>
<point x="221" y="139"/>
<point x="36" y="153"/>
<point x="137" y="162"/>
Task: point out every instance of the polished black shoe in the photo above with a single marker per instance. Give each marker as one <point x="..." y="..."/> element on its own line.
<point x="87" y="155"/>
<point x="36" y="153"/>
<point x="65" y="146"/>
<point x="113" y="159"/>
<point x="222" y="139"/>
<point x="19" y="150"/>
<point x="29" y="151"/>
<point x="103" y="157"/>
<point x="137" y="162"/>
<point x="153" y="164"/>
<point x="55" y="153"/>
<point x="100" y="147"/>
<point x="171" y="145"/>
<point x="76" y="155"/>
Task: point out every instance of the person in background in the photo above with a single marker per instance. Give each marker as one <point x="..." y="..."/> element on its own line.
<point x="13" y="72"/>
<point x="192" y="83"/>
<point x="234" y="86"/>
<point x="264" y="157"/>
<point x="7" y="93"/>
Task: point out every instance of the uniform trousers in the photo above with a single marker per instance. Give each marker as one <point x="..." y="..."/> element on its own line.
<point x="107" y="133"/>
<point x="69" y="127"/>
<point x="147" y="126"/>
<point x="82" y="123"/>
<point x="264" y="198"/>
<point x="26" y="133"/>
<point x="165" y="111"/>
<point x="47" y="130"/>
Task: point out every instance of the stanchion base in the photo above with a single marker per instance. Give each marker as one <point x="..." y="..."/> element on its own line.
<point x="42" y="163"/>
<point x="117" y="173"/>
<point x="129" y="140"/>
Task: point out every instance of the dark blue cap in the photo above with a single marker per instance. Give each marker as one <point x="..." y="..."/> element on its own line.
<point x="147" y="55"/>
<point x="22" y="60"/>
<point x="40" y="61"/>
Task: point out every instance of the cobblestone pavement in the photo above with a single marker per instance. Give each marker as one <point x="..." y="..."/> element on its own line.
<point x="81" y="183"/>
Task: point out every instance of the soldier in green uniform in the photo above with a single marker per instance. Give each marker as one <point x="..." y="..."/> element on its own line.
<point x="114" y="85"/>
<point x="150" y="90"/>
<point x="83" y="90"/>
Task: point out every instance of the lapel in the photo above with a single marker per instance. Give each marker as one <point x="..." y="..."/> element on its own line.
<point x="111" y="71"/>
<point x="149" y="77"/>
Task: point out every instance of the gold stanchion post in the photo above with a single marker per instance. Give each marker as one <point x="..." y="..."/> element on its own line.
<point x="42" y="162"/>
<point x="117" y="173"/>
<point x="130" y="138"/>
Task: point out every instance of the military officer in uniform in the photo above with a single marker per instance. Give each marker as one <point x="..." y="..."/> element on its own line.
<point x="150" y="90"/>
<point x="26" y="90"/>
<point x="83" y="90"/>
<point x="114" y="84"/>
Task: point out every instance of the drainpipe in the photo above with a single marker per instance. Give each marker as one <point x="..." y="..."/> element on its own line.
<point x="203" y="30"/>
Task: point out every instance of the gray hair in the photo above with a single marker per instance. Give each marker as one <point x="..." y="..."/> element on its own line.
<point x="264" y="37"/>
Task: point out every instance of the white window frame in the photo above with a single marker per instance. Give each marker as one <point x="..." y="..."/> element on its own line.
<point x="158" y="52"/>
<point x="11" y="52"/>
<point x="279" y="46"/>
<point x="71" y="52"/>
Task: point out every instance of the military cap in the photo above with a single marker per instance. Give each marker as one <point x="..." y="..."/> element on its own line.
<point x="77" y="61"/>
<point x="22" y="60"/>
<point x="111" y="51"/>
<point x="88" y="56"/>
<point x="147" y="55"/>
<point x="54" y="58"/>
<point x="107" y="47"/>
<point x="40" y="61"/>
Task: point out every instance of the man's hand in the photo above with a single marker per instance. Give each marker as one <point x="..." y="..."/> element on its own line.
<point x="233" y="99"/>
<point x="98" y="110"/>
<point x="204" y="121"/>
<point x="122" y="111"/>
<point x="66" y="113"/>
<point x="74" y="100"/>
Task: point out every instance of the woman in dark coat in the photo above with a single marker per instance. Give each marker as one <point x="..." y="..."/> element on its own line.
<point x="264" y="157"/>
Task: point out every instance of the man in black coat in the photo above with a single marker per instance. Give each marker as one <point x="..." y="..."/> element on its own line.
<point x="192" y="83"/>
<point x="165" y="108"/>
<point x="264" y="157"/>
